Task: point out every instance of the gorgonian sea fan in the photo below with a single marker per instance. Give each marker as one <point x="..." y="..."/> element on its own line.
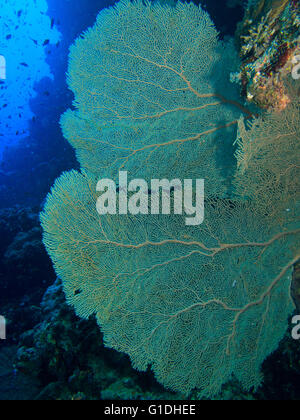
<point x="198" y="303"/>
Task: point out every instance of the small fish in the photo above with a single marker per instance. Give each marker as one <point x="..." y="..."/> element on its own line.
<point x="52" y="23"/>
<point x="24" y="64"/>
<point x="8" y="36"/>
<point x="19" y="13"/>
<point x="46" y="42"/>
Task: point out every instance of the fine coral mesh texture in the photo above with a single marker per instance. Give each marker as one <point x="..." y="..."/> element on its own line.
<point x="197" y="303"/>
<point x="168" y="300"/>
<point x="145" y="80"/>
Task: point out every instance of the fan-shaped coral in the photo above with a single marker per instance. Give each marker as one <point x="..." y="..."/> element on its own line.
<point x="198" y="304"/>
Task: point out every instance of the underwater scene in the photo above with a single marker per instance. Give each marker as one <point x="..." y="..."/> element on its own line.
<point x="149" y="202"/>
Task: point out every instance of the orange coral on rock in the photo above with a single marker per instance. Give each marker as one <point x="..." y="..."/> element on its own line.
<point x="268" y="39"/>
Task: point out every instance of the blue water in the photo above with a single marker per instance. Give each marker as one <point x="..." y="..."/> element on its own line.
<point x="34" y="95"/>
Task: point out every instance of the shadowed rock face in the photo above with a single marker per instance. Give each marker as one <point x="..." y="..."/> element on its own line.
<point x="296" y="286"/>
<point x="14" y="386"/>
<point x="24" y="264"/>
<point x="268" y="39"/>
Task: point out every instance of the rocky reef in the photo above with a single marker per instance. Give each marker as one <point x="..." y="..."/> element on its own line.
<point x="13" y="384"/>
<point x="24" y="264"/>
<point x="65" y="358"/>
<point x="268" y="40"/>
<point x="296" y="287"/>
<point x="25" y="269"/>
<point x="51" y="354"/>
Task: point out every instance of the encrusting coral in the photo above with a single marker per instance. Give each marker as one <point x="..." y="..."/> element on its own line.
<point x="269" y="40"/>
<point x="202" y="303"/>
